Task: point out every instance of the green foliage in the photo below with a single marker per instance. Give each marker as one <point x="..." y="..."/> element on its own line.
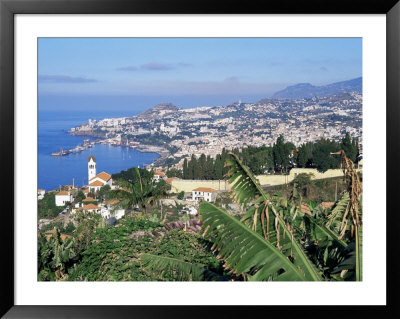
<point x="47" y="206"/>
<point x="172" y="172"/>
<point x="79" y="197"/>
<point x="114" y="254"/>
<point x="181" y="195"/>
<point x="132" y="175"/>
<point x="248" y="192"/>
<point x="176" y="268"/>
<point x="350" y="147"/>
<point x="303" y="179"/>
<point x="54" y="256"/>
<point x="305" y="155"/>
<point x="143" y="192"/>
<point x="321" y="155"/>
<point x="104" y="192"/>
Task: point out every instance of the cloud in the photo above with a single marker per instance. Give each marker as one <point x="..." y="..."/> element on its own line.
<point x="155" y="66"/>
<point x="231" y="79"/>
<point x="128" y="68"/>
<point x="64" y="79"/>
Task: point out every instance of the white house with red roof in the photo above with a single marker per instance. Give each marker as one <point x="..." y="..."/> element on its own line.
<point x="158" y="175"/>
<point x="63" y="198"/>
<point x="204" y="193"/>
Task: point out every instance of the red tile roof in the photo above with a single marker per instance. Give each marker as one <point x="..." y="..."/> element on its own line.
<point x="205" y="189"/>
<point x="62" y="193"/>
<point x="162" y="174"/>
<point x="103" y="175"/>
<point x="96" y="183"/>
<point x="90" y="207"/>
<point x="169" y="180"/>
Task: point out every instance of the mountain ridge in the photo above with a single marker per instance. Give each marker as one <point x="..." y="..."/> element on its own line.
<point x="307" y="90"/>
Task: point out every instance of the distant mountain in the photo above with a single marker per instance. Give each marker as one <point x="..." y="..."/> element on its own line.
<point x="306" y="90"/>
<point x="159" y="110"/>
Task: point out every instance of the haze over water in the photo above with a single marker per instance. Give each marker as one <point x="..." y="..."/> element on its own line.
<point x="54" y="171"/>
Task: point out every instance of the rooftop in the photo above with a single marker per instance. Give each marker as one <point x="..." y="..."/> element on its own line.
<point x="62" y="193"/>
<point x="103" y="175"/>
<point x="204" y="189"/>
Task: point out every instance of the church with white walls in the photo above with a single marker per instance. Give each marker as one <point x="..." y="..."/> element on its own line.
<point x="97" y="181"/>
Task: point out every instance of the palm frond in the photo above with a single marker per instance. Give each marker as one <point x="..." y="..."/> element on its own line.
<point x="245" y="251"/>
<point x="249" y="193"/>
<point x="179" y="269"/>
<point x="339" y="209"/>
<point x="319" y="231"/>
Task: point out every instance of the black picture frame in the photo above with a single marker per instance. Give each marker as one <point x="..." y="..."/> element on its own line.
<point x="8" y="8"/>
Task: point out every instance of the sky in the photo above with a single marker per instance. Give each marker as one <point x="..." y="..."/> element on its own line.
<point x="138" y="73"/>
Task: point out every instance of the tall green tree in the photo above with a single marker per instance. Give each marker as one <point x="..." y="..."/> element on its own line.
<point x="219" y="167"/>
<point x="185" y="169"/>
<point x="202" y="166"/>
<point x="304" y="157"/>
<point x="350" y="147"/>
<point x="322" y="154"/>
<point x="281" y="153"/>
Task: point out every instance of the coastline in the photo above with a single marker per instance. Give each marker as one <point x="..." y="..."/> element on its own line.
<point x="143" y="148"/>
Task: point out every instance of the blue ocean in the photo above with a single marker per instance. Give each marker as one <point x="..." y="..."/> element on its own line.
<point x="53" y="136"/>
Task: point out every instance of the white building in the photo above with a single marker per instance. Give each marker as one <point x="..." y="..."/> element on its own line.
<point x="97" y="181"/>
<point x="158" y="175"/>
<point x="91" y="208"/>
<point x="204" y="193"/>
<point x="40" y="193"/>
<point x="63" y="198"/>
<point x="91" y="167"/>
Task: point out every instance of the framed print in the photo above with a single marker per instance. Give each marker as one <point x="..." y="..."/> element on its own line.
<point x="150" y="148"/>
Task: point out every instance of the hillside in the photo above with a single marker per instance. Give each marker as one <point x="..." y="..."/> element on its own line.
<point x="307" y="90"/>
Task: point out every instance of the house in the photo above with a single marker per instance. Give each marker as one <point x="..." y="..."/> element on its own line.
<point x="89" y="200"/>
<point x="91" y="208"/>
<point x="204" y="193"/>
<point x="63" y="198"/>
<point x="40" y="193"/>
<point x="109" y="210"/>
<point x="158" y="175"/>
<point x="86" y="192"/>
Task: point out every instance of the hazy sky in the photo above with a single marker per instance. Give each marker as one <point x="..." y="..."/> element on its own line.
<point x="142" y="72"/>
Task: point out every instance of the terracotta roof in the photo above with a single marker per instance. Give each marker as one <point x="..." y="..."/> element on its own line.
<point x="96" y="183"/>
<point x="92" y="157"/>
<point x="85" y="191"/>
<point x="159" y="173"/>
<point x="89" y="199"/>
<point x="103" y="175"/>
<point x="205" y="189"/>
<point x="90" y="206"/>
<point x="40" y="190"/>
<point x="169" y="180"/>
<point x="62" y="193"/>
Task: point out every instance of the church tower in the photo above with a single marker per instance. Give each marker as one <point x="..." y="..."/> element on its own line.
<point x="91" y="168"/>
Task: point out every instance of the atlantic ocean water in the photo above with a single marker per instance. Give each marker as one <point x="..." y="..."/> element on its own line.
<point x="53" y="136"/>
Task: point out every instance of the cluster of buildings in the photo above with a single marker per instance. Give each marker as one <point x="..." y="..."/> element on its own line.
<point x="207" y="130"/>
<point x="109" y="209"/>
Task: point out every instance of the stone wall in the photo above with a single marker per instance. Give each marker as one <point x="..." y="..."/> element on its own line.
<point x="265" y="180"/>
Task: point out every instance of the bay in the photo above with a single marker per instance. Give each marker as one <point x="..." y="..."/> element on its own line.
<point x="53" y="135"/>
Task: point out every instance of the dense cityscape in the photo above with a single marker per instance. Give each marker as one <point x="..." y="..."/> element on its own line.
<point x="179" y="133"/>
